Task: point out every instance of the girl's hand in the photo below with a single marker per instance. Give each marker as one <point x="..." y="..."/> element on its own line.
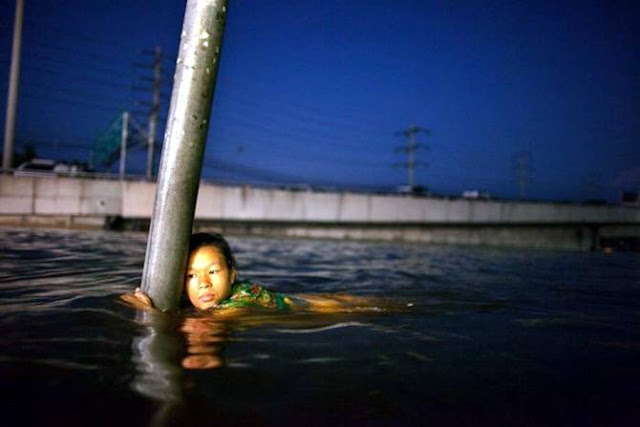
<point x="138" y="299"/>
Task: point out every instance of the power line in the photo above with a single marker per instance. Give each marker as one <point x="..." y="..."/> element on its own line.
<point x="241" y="121"/>
<point x="298" y="124"/>
<point x="81" y="77"/>
<point x="296" y="111"/>
<point x="46" y="27"/>
<point x="72" y="102"/>
<point x="265" y="88"/>
<point x="55" y="60"/>
<point x="65" y="90"/>
<point x="92" y="55"/>
<point x="273" y="177"/>
<point x="272" y="149"/>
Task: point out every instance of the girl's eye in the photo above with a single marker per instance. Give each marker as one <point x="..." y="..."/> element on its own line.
<point x="213" y="271"/>
<point x="191" y="275"/>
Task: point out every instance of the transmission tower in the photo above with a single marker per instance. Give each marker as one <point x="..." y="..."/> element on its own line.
<point x="124" y="135"/>
<point x="410" y="149"/>
<point x="522" y="168"/>
<point x="592" y="186"/>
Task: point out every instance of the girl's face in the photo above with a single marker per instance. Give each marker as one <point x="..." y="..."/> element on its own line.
<point x="209" y="279"/>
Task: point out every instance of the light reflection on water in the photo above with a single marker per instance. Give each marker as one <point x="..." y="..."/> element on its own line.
<point x="473" y="336"/>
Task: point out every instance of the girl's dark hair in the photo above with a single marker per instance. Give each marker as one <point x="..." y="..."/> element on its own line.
<point x="216" y="240"/>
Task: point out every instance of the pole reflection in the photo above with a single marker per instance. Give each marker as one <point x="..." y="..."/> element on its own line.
<point x="166" y="346"/>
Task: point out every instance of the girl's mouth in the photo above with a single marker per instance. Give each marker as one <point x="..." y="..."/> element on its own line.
<point x="207" y="298"/>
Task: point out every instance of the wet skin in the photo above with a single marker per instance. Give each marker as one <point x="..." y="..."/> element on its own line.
<point x="209" y="279"/>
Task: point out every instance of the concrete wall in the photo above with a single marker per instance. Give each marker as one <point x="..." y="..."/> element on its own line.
<point x="59" y="196"/>
<point x="88" y="202"/>
<point x="566" y="237"/>
<point x="132" y="199"/>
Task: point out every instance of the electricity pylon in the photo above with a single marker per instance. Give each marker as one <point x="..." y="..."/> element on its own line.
<point x="410" y="149"/>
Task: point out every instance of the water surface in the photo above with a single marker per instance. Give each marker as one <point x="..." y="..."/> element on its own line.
<point x="475" y="337"/>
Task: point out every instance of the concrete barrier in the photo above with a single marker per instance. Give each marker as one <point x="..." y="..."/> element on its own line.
<point x="66" y="201"/>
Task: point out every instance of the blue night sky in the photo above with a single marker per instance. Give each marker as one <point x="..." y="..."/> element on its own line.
<point x="315" y="91"/>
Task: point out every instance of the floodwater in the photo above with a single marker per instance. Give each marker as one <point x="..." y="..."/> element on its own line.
<point x="473" y="336"/>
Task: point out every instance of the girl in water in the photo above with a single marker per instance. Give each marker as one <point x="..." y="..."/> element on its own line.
<point x="211" y="283"/>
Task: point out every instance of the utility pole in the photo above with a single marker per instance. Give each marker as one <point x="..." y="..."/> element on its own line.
<point x="123" y="143"/>
<point x="410" y="149"/>
<point x="155" y="107"/>
<point x="12" y="96"/>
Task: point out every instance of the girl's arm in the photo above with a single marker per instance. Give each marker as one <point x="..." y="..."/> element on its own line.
<point x="338" y="303"/>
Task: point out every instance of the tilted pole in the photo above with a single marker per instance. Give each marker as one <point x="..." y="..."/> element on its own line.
<point x="12" y="97"/>
<point x="181" y="161"/>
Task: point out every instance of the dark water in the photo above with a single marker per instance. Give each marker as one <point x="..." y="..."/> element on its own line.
<point x="485" y="337"/>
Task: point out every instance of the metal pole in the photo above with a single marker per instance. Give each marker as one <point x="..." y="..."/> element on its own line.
<point x="12" y="97"/>
<point x="181" y="160"/>
<point x="123" y="143"/>
<point x="153" y="117"/>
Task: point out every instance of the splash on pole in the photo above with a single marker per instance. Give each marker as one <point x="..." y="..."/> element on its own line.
<point x="184" y="144"/>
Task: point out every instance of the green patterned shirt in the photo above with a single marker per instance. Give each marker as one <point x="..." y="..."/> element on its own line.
<point x="245" y="294"/>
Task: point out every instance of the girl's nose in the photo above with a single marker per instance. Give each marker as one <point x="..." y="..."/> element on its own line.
<point x="204" y="281"/>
